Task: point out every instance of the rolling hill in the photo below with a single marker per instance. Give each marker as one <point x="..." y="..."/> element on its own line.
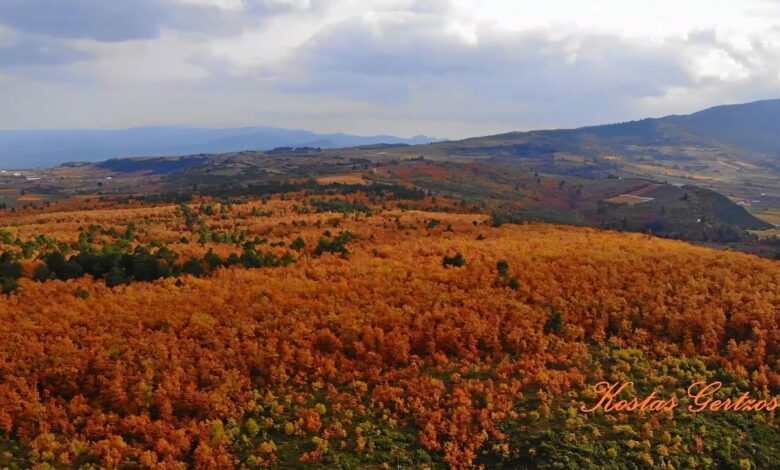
<point x="752" y="126"/>
<point x="734" y="150"/>
<point x="45" y="148"/>
<point x="666" y="176"/>
<point x="746" y="130"/>
<point x="387" y="307"/>
<point x="369" y="331"/>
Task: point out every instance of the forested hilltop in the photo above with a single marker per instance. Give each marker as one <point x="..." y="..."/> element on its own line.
<point x="368" y="327"/>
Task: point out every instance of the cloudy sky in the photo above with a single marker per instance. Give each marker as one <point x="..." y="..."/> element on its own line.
<point x="448" y="68"/>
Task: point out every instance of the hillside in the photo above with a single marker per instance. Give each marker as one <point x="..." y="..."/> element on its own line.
<point x="670" y="176"/>
<point x="366" y="330"/>
<point x="505" y="192"/>
<point x="752" y="126"/>
<point x="730" y="149"/>
<point x="635" y="204"/>
<point x="744" y="130"/>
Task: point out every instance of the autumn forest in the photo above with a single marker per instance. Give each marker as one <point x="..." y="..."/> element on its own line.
<point x="334" y="330"/>
<point x="389" y="235"/>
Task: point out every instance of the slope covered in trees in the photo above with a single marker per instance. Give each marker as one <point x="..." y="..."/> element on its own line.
<point x="399" y="333"/>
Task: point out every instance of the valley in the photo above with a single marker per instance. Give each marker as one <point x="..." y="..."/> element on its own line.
<point x="587" y="175"/>
<point x="447" y="305"/>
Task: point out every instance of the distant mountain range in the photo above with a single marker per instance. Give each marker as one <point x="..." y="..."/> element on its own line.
<point x="732" y="149"/>
<point x="751" y="130"/>
<point x="45" y="148"/>
<point x="723" y="143"/>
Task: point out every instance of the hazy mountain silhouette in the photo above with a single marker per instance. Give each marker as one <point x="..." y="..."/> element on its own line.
<point x="752" y="128"/>
<point x="32" y="148"/>
<point x="749" y="130"/>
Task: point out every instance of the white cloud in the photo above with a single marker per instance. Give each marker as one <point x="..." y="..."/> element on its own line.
<point x="142" y="62"/>
<point x="222" y="4"/>
<point x="7" y="36"/>
<point x="444" y="67"/>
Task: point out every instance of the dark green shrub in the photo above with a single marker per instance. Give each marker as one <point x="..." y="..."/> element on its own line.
<point x="193" y="266"/>
<point x="458" y="260"/>
<point x="298" y="244"/>
<point x="116" y="277"/>
<point x="43" y="273"/>
<point x="81" y="293"/>
<point x="8" y="285"/>
<point x="554" y="324"/>
<point x="337" y="244"/>
<point x="503" y="268"/>
<point x="212" y="259"/>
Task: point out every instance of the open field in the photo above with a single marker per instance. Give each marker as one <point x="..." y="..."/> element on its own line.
<point x="770" y="215"/>
<point x="629" y="199"/>
<point x="347" y="178"/>
<point x="775" y="232"/>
